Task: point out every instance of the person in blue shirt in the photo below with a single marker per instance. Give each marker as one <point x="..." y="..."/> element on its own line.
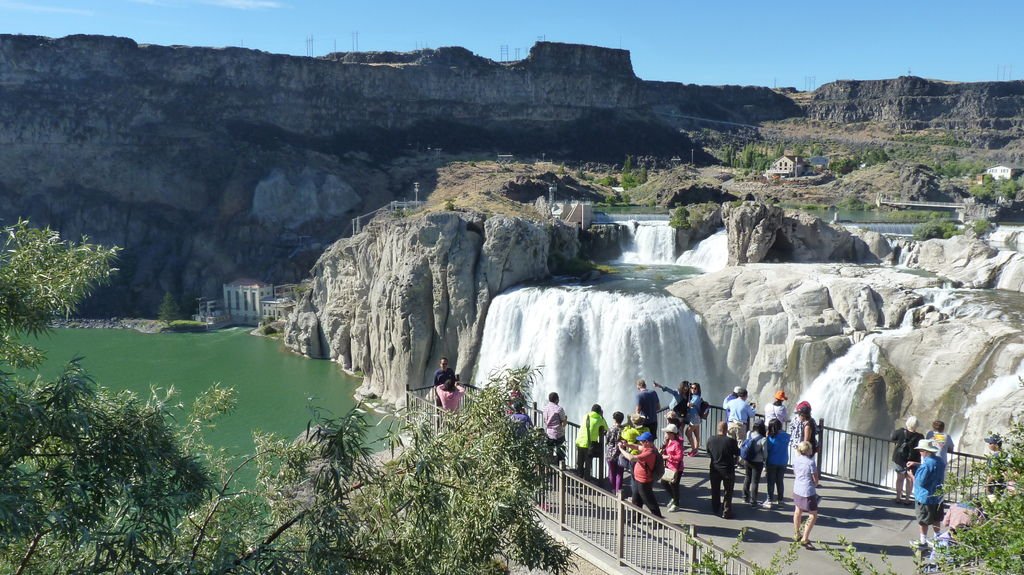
<point x="928" y="476"/>
<point x="778" y="458"/>
<point x="648" y="404"/>
<point x="739" y="412"/>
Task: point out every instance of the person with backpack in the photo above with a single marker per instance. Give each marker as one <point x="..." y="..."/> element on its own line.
<point x="723" y="451"/>
<point x="588" y="440"/>
<point x="680" y="397"/>
<point x="673" y="452"/>
<point x="777" y="449"/>
<point x="696" y="410"/>
<point x="753" y="452"/>
<point x="905" y="440"/>
<point x="648" y="464"/>
<point x="611" y="452"/>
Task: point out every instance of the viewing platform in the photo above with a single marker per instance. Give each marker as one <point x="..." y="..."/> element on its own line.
<point x="857" y="505"/>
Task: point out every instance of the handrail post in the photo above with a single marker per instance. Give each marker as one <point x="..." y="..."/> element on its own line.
<point x="692" y="560"/>
<point x="821" y="441"/>
<point x="561" y="495"/>
<point x="620" y="526"/>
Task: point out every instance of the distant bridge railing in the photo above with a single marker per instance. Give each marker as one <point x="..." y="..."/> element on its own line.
<point x="359" y="221"/>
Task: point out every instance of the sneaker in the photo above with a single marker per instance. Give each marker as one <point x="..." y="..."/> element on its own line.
<point x="674" y="508"/>
<point x="767" y="504"/>
<point x="916" y="543"/>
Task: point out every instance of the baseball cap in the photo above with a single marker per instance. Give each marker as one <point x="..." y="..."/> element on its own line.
<point x="645" y="436"/>
<point x="994" y="439"/>
<point x="737" y="389"/>
<point x="781" y="395"/>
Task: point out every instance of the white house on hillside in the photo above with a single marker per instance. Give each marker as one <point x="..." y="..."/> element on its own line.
<point x="1003" y="172"/>
<point x="787" y="167"/>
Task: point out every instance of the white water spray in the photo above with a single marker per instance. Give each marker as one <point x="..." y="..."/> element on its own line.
<point x="710" y="255"/>
<point x="831" y="393"/>
<point x="652" y="243"/>
<point x="591" y="346"/>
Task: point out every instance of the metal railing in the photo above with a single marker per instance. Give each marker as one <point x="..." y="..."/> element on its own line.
<point x="357" y="222"/>
<point x="631" y="536"/>
<point x="650" y="545"/>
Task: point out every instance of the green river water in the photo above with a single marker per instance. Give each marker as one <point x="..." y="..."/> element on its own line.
<point x="275" y="388"/>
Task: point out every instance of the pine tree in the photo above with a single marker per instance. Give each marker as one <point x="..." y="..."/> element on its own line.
<point x="169" y="310"/>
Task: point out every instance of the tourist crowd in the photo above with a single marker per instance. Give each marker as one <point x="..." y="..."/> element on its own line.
<point x="637" y="458"/>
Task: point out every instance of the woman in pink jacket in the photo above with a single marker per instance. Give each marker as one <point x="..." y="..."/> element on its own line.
<point x="673" y="452"/>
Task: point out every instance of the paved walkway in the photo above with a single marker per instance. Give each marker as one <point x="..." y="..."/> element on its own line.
<point x="865" y="516"/>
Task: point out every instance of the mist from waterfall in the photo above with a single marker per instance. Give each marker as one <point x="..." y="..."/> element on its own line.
<point x="590" y="345"/>
<point x="709" y="255"/>
<point x="831" y="393"/>
<point x="651" y="243"/>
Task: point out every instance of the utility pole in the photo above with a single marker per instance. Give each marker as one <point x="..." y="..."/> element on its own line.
<point x="416" y="191"/>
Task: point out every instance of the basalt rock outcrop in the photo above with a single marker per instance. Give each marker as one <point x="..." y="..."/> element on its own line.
<point x="392" y="300"/>
<point x="208" y="164"/>
<point x="779" y="326"/>
<point x="760" y="232"/>
<point x="987" y="113"/>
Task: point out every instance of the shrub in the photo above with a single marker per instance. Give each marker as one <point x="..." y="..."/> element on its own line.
<point x="680" y="218"/>
<point x="185" y="325"/>
<point x="980" y="227"/>
<point x="935" y="229"/>
<point x="449" y="205"/>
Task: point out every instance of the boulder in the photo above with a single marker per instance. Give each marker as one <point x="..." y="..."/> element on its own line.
<point x="760" y="232"/>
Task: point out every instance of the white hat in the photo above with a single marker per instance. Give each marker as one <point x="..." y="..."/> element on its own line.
<point x="927" y="445"/>
<point x="737" y="389"/>
<point x="671" y="428"/>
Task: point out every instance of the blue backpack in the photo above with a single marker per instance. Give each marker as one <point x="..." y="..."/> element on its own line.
<point x="748" y="449"/>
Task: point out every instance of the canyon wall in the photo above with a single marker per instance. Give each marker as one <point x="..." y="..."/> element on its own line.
<point x="392" y="300"/>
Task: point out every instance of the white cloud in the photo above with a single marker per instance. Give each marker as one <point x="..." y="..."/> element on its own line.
<point x="245" y="4"/>
<point x="41" y="8"/>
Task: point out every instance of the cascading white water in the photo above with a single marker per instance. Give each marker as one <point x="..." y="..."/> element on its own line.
<point x="652" y="243"/>
<point x="831" y="393"/>
<point x="710" y="255"/>
<point x="591" y="346"/>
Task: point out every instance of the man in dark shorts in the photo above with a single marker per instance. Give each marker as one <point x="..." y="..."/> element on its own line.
<point x="724" y="452"/>
<point x="928" y="476"/>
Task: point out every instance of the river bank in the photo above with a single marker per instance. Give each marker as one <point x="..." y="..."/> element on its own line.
<point x="138" y="324"/>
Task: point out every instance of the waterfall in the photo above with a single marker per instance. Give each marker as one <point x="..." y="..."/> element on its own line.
<point x="710" y="255"/>
<point x="831" y="393"/>
<point x="652" y="242"/>
<point x="591" y="346"/>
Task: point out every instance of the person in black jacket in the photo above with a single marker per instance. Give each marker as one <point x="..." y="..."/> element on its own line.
<point x="724" y="453"/>
<point x="903" y="454"/>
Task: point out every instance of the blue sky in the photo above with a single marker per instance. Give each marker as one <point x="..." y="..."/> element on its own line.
<point x="800" y="44"/>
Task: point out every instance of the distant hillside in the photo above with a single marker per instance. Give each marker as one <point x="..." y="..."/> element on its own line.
<point x="983" y="114"/>
<point x="207" y="164"/>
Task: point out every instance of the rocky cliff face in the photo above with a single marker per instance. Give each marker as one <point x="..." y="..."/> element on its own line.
<point x="211" y="163"/>
<point x="991" y="112"/>
<point x="779" y="326"/>
<point x="759" y="232"/>
<point x="392" y="300"/>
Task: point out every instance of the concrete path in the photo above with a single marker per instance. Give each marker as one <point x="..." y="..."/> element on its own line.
<point x="867" y="517"/>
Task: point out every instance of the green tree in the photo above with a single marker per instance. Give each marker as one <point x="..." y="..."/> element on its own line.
<point x="935" y="229"/>
<point x="91" y="482"/>
<point x="169" y="310"/>
<point x="994" y="544"/>
<point x="643" y="174"/>
<point x="680" y="219"/>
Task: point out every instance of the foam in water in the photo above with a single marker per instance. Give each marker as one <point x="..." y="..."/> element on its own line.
<point x="710" y="255"/>
<point x="653" y="243"/>
<point x="591" y="346"/>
